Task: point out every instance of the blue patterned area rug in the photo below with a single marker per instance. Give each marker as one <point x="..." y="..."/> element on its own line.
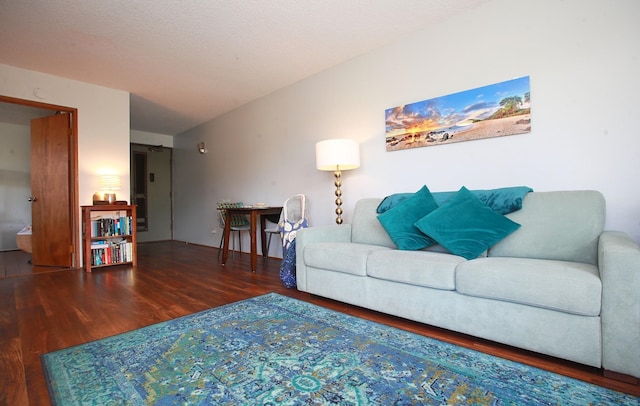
<point x="274" y="350"/>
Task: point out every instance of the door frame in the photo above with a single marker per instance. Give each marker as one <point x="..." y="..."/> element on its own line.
<point x="73" y="167"/>
<point x="152" y="167"/>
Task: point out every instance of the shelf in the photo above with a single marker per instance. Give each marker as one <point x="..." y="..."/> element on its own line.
<point x="110" y="220"/>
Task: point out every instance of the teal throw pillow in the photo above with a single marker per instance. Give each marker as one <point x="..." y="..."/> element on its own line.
<point x="465" y="226"/>
<point x="503" y="200"/>
<point x="399" y="221"/>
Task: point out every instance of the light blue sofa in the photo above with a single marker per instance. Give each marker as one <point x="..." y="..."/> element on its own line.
<point x="559" y="285"/>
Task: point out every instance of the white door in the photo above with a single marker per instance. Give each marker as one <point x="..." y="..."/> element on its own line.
<point x="153" y="173"/>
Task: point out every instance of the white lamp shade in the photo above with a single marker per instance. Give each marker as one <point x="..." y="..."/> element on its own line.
<point x="109" y="182"/>
<point x="342" y="154"/>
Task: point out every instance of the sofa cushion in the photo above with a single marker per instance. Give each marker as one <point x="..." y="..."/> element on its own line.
<point x="339" y="256"/>
<point x="422" y="268"/>
<point x="465" y="226"/>
<point x="365" y="227"/>
<point x="439" y="248"/>
<point x="399" y="221"/>
<point x="569" y="287"/>
<point x="563" y="225"/>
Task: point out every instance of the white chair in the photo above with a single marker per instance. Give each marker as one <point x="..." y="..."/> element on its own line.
<point x="293" y="210"/>
<point x="273" y="227"/>
<point x="238" y="224"/>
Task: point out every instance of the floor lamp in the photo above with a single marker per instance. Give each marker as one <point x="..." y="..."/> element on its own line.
<point x="337" y="155"/>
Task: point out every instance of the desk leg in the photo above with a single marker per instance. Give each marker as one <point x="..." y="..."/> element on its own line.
<point x="225" y="246"/>
<point x="254" y="244"/>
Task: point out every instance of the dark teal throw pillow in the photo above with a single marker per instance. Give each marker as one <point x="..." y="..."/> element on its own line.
<point x="465" y="226"/>
<point x="503" y="200"/>
<point x="391" y="201"/>
<point x="399" y="221"/>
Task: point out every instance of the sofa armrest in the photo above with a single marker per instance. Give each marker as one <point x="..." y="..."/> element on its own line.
<point x="619" y="263"/>
<point x="333" y="233"/>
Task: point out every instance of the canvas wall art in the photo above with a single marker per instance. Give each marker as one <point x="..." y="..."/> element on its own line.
<point x="489" y="111"/>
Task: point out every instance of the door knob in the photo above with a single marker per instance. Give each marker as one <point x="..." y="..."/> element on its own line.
<point x="32" y="199"/>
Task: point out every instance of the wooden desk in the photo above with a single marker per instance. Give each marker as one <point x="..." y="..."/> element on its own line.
<point x="253" y="213"/>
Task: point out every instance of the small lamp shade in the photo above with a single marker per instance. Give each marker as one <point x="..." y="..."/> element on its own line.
<point x="109" y="182"/>
<point x="342" y="154"/>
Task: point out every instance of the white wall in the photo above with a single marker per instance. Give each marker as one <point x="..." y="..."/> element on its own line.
<point x="583" y="61"/>
<point x="15" y="182"/>
<point x="103" y="122"/>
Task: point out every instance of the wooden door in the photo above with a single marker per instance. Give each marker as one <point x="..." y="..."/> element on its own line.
<point x="50" y="198"/>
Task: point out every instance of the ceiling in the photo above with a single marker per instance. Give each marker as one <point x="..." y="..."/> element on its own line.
<point x="187" y="62"/>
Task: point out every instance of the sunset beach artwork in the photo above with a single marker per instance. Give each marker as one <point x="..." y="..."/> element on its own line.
<point x="485" y="112"/>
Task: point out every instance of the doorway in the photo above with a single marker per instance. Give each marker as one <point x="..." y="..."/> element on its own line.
<point x="151" y="191"/>
<point x="21" y="112"/>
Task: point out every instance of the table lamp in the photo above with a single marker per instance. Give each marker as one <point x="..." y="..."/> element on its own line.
<point x="109" y="183"/>
<point x="337" y="155"/>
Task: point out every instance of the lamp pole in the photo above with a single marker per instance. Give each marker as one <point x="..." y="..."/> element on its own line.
<point x="338" y="183"/>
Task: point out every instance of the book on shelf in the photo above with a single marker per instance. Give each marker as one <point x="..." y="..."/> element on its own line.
<point x="111" y="252"/>
<point x="99" y="244"/>
<point x="111" y="224"/>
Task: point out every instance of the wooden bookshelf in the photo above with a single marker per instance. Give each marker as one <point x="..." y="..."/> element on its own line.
<point x="109" y="236"/>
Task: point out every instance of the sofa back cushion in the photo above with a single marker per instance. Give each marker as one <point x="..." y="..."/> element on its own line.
<point x="562" y="225"/>
<point x="366" y="228"/>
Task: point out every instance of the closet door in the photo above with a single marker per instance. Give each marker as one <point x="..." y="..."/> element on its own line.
<point x="51" y="209"/>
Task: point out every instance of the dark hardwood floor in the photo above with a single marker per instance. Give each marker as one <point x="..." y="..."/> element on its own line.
<point x="46" y="311"/>
<point x="15" y="263"/>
